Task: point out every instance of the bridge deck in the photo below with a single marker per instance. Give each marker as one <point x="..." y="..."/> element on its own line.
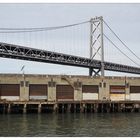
<point x="32" y="54"/>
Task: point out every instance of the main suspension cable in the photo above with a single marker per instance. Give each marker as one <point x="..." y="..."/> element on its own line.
<point x="21" y="30"/>
<point x="120" y="50"/>
<point x="121" y="40"/>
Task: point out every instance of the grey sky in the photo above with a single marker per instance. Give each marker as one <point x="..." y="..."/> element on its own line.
<point x="123" y="18"/>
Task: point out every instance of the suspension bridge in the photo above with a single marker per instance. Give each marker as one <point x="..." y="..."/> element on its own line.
<point x="91" y="57"/>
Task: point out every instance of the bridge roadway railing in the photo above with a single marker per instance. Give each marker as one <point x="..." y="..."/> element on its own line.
<point x="32" y="54"/>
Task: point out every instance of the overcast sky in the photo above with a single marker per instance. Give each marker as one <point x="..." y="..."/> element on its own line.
<point x="124" y="19"/>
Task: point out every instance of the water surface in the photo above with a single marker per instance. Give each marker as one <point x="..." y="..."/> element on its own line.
<point x="76" y="125"/>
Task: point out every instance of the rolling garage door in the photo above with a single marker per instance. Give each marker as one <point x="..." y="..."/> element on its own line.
<point x="117" y="93"/>
<point x="38" y="92"/>
<point x="134" y="92"/>
<point x="90" y="92"/>
<point x="10" y="92"/>
<point x="64" y="92"/>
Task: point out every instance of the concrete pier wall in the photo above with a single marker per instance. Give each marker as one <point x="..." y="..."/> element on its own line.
<point x="76" y="82"/>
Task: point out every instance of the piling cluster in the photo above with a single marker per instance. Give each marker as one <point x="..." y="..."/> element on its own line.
<point x="37" y="107"/>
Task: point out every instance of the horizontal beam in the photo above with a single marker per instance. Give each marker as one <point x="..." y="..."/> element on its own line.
<point x="32" y="54"/>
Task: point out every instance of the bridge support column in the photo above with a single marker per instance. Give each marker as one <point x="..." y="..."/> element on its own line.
<point x="90" y="71"/>
<point x="96" y="35"/>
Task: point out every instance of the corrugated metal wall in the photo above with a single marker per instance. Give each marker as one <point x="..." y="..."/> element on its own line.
<point x="64" y="92"/>
<point x="117" y="92"/>
<point x="10" y="91"/>
<point x="38" y="91"/>
<point x="90" y="88"/>
<point x="117" y="89"/>
<point x="134" y="89"/>
<point x="134" y="92"/>
<point x="90" y="92"/>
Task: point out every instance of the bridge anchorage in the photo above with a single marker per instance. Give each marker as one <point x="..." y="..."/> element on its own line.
<point x="97" y="67"/>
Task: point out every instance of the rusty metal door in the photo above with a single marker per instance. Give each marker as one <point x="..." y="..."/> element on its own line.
<point x="90" y="89"/>
<point x="90" y="92"/>
<point x="10" y="91"/>
<point x="38" y="91"/>
<point x="116" y="89"/>
<point x="64" y="92"/>
<point x="135" y="93"/>
<point x="117" y="93"/>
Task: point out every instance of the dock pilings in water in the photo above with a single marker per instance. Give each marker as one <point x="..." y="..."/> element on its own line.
<point x="68" y="107"/>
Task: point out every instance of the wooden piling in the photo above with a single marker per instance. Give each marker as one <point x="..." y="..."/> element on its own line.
<point x="92" y="108"/>
<point x="119" y="108"/>
<point x="39" y="108"/>
<point x="74" y="108"/>
<point x="81" y="108"/>
<point x="69" y="108"/>
<point x="108" y="108"/>
<point x="4" y="108"/>
<point x="95" y="108"/>
<point x="85" y="108"/>
<point x="102" y="109"/>
<point x="25" y="109"/>
<point x="9" y="108"/>
<point x="55" y="108"/>
<point x="62" y="108"/>
<point x="133" y="109"/>
<point x="113" y="109"/>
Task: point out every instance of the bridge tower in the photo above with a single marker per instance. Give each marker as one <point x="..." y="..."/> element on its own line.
<point x="96" y="43"/>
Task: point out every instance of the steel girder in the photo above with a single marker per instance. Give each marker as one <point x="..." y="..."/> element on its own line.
<point x="32" y="54"/>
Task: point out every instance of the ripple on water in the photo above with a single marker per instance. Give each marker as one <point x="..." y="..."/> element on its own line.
<point x="68" y="125"/>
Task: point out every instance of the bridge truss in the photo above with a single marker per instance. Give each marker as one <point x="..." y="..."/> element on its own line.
<point x="38" y="55"/>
